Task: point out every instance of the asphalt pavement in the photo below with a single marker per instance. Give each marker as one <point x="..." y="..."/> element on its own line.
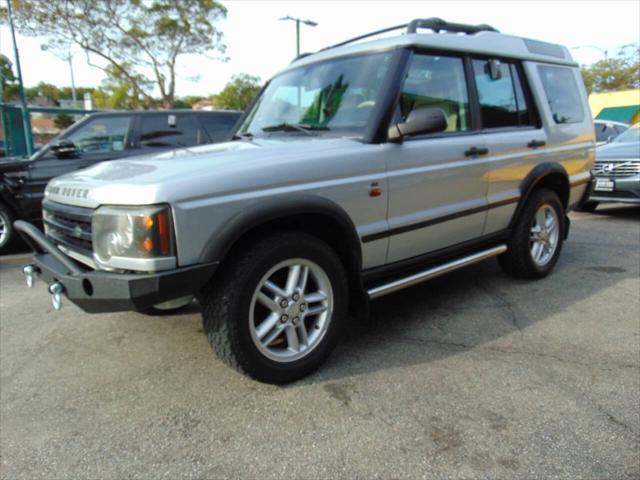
<point x="473" y="375"/>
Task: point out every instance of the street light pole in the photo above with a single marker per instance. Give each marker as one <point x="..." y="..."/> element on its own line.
<point x="73" y="81"/>
<point x="69" y="59"/>
<point x="298" y="22"/>
<point x="602" y="50"/>
<point x="297" y="37"/>
<point x="26" y="121"/>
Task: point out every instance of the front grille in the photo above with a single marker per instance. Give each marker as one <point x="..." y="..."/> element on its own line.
<point x="68" y="226"/>
<point x="617" y="168"/>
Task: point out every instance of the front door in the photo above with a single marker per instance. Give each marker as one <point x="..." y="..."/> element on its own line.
<point x="437" y="182"/>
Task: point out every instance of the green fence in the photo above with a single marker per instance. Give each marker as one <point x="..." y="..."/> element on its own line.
<point x="15" y="143"/>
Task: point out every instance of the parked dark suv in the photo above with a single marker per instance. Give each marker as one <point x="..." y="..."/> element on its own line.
<point x="96" y="138"/>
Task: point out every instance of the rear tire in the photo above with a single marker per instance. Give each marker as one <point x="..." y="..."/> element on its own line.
<point x="588" y="206"/>
<point x="275" y="309"/>
<point x="7" y="232"/>
<point x="536" y="240"/>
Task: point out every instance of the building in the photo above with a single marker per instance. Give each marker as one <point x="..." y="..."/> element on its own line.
<point x="204" y="104"/>
<point x="621" y="106"/>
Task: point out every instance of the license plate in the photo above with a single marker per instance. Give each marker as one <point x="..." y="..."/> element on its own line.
<point x="604" y="185"/>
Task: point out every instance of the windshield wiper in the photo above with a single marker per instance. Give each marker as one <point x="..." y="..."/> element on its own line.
<point x="242" y="135"/>
<point x="291" y="127"/>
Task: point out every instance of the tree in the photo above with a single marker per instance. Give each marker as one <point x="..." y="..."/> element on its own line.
<point x="63" y="121"/>
<point x="7" y="80"/>
<point x="617" y="73"/>
<point x="117" y="92"/>
<point x="6" y="69"/>
<point x="238" y="92"/>
<point x="132" y="37"/>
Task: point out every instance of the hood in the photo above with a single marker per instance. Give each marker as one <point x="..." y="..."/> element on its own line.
<point x="198" y="172"/>
<point x="14" y="164"/>
<point x="618" y="150"/>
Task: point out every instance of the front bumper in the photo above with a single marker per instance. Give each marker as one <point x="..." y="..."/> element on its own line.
<point x="626" y="190"/>
<point x="98" y="291"/>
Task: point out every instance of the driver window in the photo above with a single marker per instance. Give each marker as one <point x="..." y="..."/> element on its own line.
<point x="437" y="81"/>
<point x="101" y="135"/>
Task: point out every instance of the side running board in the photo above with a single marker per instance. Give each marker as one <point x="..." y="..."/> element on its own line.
<point x="419" y="277"/>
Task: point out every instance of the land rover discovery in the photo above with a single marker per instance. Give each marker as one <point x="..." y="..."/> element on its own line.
<point x="362" y="169"/>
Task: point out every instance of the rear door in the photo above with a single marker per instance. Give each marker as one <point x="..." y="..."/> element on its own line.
<point x="159" y="132"/>
<point x="437" y="188"/>
<point x="512" y="131"/>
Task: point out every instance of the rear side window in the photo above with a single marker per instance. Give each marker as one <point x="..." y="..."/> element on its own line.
<point x="437" y="81"/>
<point x="218" y="126"/>
<point x="169" y="131"/>
<point x="562" y="93"/>
<point x="502" y="100"/>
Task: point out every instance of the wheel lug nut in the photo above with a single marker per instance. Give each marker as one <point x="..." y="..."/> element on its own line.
<point x="296" y="320"/>
<point x="296" y="297"/>
<point x="284" y="303"/>
<point x="284" y="318"/>
<point x="303" y="307"/>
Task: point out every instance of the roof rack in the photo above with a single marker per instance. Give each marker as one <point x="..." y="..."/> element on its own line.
<point x="437" y="24"/>
<point x="433" y="23"/>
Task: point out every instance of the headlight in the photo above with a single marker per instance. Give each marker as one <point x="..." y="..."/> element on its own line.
<point x="135" y="238"/>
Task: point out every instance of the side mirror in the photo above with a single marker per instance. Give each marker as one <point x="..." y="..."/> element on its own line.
<point x="64" y="149"/>
<point x="495" y="70"/>
<point x="419" y="122"/>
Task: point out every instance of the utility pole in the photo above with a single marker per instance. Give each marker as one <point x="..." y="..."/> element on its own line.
<point x="69" y="59"/>
<point x="601" y="50"/>
<point x="298" y="22"/>
<point x="26" y="121"/>
<point x="73" y="81"/>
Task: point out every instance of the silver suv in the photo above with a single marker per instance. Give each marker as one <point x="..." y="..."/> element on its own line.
<point x="359" y="170"/>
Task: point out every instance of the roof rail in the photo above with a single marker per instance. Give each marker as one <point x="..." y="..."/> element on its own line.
<point x="433" y="23"/>
<point x="438" y="24"/>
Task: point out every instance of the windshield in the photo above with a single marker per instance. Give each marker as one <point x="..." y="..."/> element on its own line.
<point x="632" y="135"/>
<point x="336" y="95"/>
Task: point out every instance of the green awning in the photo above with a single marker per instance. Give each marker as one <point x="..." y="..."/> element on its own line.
<point x="618" y="114"/>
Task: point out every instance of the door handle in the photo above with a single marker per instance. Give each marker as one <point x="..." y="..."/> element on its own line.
<point x="474" y="151"/>
<point x="536" y="143"/>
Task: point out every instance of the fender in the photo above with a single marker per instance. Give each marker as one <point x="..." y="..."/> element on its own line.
<point x="535" y="176"/>
<point x="264" y="211"/>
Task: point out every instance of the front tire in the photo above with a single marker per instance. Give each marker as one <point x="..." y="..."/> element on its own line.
<point x="536" y="241"/>
<point x="7" y="232"/>
<point x="276" y="308"/>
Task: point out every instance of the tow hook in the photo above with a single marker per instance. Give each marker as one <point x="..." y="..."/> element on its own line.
<point x="56" y="289"/>
<point x="30" y="272"/>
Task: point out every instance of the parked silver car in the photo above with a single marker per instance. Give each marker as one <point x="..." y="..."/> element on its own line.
<point x="359" y="170"/>
<point x="617" y="171"/>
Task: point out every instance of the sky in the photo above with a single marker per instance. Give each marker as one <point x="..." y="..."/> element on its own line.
<point x="260" y="44"/>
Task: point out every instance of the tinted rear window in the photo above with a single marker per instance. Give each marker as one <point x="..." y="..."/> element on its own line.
<point x="502" y="100"/>
<point x="219" y="125"/>
<point x="169" y="131"/>
<point x="562" y="92"/>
